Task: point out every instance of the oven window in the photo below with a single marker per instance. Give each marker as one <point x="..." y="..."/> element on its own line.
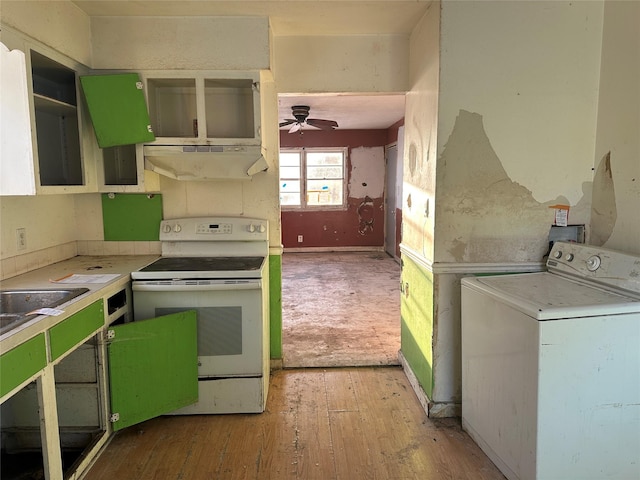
<point x="219" y="329"/>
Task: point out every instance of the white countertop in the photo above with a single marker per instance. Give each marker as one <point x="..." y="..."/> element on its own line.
<point x="122" y="265"/>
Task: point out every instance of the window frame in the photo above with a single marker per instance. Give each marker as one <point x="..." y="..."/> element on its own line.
<point x="302" y="151"/>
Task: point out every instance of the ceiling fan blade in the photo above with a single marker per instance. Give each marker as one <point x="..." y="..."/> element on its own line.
<point x="295" y="127"/>
<point x="288" y="121"/>
<point x="322" y="124"/>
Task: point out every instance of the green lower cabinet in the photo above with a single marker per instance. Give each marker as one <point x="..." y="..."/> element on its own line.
<point x="21" y="363"/>
<point x="70" y="332"/>
<point x="153" y="367"/>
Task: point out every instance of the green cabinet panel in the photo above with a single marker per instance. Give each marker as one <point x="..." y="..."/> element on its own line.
<point x="118" y="109"/>
<point x="131" y="216"/>
<point x="153" y="367"/>
<point x="21" y="362"/>
<point x="69" y="332"/>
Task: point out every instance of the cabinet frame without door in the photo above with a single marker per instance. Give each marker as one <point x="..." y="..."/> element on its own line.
<point x="60" y="156"/>
<point x="51" y="400"/>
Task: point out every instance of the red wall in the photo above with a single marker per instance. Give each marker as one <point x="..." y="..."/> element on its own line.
<point x="362" y="223"/>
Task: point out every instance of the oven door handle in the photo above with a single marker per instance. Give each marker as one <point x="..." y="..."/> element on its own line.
<point x="150" y="287"/>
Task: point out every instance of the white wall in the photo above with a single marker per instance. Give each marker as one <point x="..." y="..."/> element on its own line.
<point x="192" y="43"/>
<point x="353" y="63"/>
<point x="49" y="221"/>
<point x="616" y="218"/>
<point x="60" y="25"/>
<point x="420" y="136"/>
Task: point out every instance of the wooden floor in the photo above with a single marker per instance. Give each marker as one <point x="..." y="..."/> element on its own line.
<point x="343" y="424"/>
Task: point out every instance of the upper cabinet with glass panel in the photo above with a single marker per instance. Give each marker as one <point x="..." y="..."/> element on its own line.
<point x="204" y="108"/>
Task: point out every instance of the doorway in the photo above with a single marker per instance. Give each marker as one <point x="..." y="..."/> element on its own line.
<point x="340" y="309"/>
<point x="393" y="195"/>
<point x="340" y="289"/>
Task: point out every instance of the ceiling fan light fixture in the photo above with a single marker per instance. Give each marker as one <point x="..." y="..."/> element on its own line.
<point x="301" y="112"/>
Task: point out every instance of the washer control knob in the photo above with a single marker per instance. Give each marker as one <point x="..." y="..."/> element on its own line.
<point x="177" y="228"/>
<point x="593" y="263"/>
<point x="558" y="254"/>
<point x="252" y="228"/>
<point x="262" y="228"/>
<point x="166" y="228"/>
<point x="569" y="257"/>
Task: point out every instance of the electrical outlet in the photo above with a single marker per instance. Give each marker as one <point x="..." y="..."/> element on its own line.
<point x="21" y="238"/>
<point x="299" y="238"/>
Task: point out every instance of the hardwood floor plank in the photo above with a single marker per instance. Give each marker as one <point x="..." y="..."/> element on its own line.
<point x="382" y="389"/>
<point x="342" y="424"/>
<point x="294" y="390"/>
<point x="340" y="391"/>
<point x="208" y="448"/>
<point x="279" y="456"/>
<point x="242" y="457"/>
<point x="315" y="449"/>
<point x="350" y="442"/>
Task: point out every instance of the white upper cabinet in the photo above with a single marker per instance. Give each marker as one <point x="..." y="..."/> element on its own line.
<point x="43" y="149"/>
<point x="204" y="108"/>
<point x="16" y="149"/>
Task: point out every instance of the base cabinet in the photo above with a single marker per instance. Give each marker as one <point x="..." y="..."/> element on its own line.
<point x="80" y="423"/>
<point x="121" y="375"/>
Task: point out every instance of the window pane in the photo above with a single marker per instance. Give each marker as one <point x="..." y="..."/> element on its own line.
<point x="289" y="172"/>
<point x="324" y="172"/>
<point x="289" y="199"/>
<point x="324" y="158"/>
<point x="290" y="186"/>
<point x="324" y="192"/>
<point x="289" y="159"/>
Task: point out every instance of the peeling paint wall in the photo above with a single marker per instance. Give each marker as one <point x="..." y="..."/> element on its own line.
<point x="500" y="125"/>
<point x="362" y="223"/>
<point x="367" y="172"/>
<point x="482" y="214"/>
<point x="615" y="221"/>
<point x="603" y="206"/>
<point x="516" y="124"/>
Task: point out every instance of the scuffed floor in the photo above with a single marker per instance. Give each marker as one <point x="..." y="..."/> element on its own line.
<point x="340" y="309"/>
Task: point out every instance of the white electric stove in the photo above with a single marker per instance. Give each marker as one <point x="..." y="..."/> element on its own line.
<point x="217" y="266"/>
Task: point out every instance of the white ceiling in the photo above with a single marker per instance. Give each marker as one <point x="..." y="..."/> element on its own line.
<point x="301" y="17"/>
<point x="352" y="112"/>
<point x="288" y="17"/>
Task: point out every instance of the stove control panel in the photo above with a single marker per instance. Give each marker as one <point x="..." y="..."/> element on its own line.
<point x="208" y="229"/>
<point x="214" y="228"/>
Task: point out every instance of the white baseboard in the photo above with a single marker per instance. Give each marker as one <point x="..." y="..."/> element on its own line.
<point x="332" y="249"/>
<point x="432" y="409"/>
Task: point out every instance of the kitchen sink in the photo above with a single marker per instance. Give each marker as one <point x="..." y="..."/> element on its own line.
<point x="16" y="305"/>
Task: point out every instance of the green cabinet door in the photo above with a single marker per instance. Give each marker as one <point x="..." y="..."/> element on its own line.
<point x="67" y="334"/>
<point x="22" y="362"/>
<point x="118" y="109"/>
<point x="153" y="367"/>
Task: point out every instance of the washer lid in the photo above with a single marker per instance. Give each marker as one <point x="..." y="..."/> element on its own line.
<point x="547" y="296"/>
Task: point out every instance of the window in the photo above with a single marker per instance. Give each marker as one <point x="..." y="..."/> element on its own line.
<point x="312" y="178"/>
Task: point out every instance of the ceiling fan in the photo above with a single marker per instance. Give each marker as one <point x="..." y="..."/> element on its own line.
<point x="301" y="112"/>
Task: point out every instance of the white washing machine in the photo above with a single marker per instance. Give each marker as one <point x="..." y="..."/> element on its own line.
<point x="551" y="366"/>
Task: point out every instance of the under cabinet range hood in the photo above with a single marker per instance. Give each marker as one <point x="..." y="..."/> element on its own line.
<point x="205" y="162"/>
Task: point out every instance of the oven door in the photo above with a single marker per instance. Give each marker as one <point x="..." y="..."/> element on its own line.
<point x="230" y="320"/>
